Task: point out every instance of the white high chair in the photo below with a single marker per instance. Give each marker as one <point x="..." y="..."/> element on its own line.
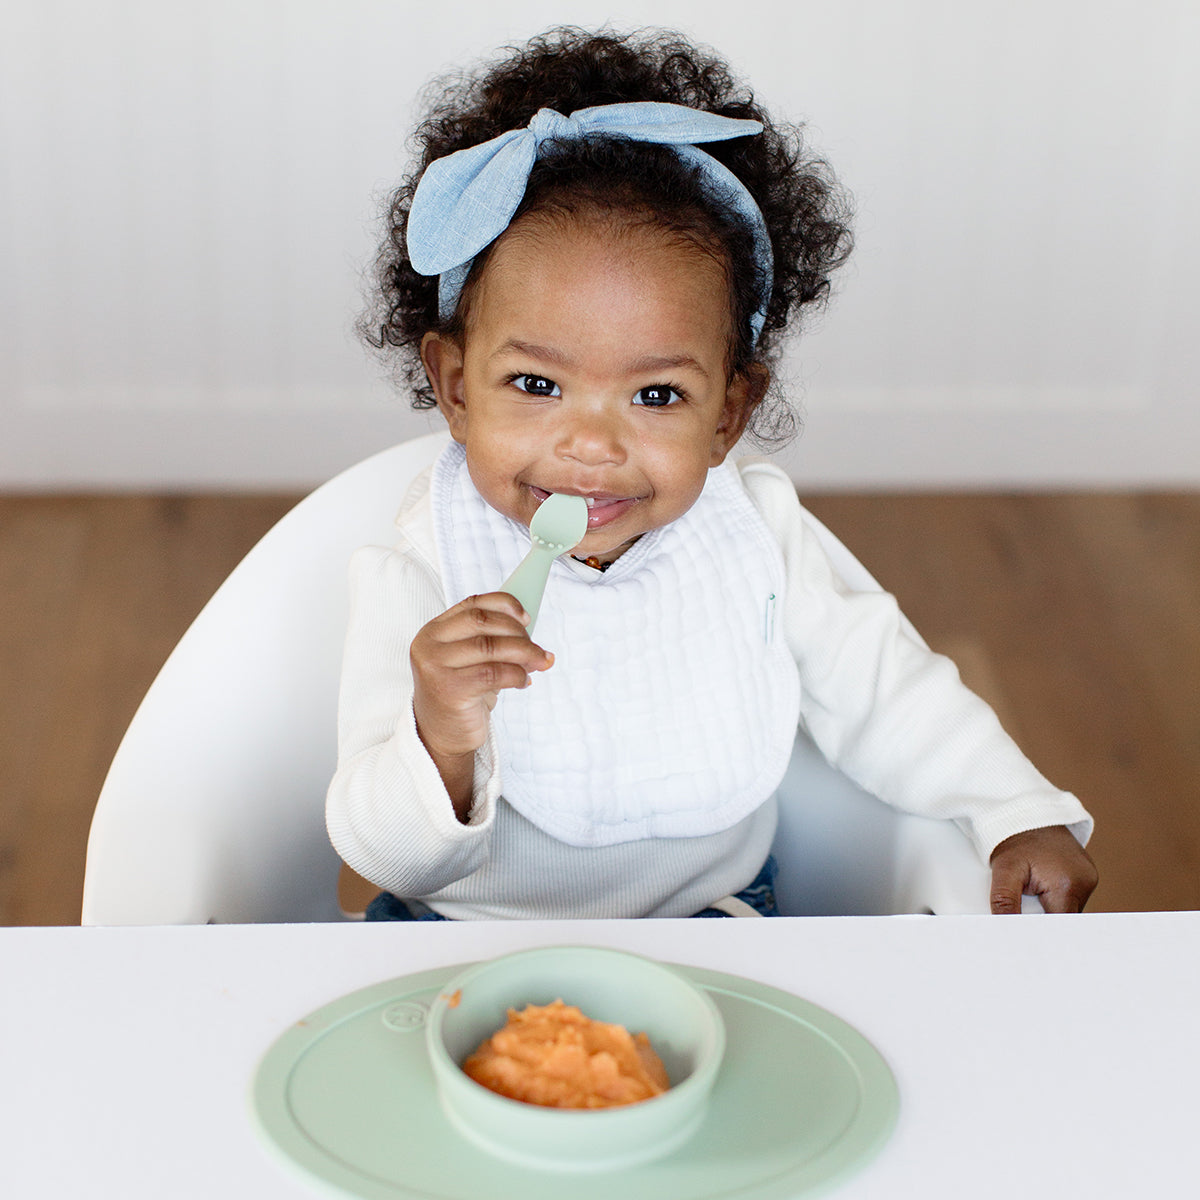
<point x="213" y="808"/>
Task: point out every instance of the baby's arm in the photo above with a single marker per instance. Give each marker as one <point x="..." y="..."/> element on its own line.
<point x="896" y="718"/>
<point x="387" y="811"/>
<point x="460" y="661"/>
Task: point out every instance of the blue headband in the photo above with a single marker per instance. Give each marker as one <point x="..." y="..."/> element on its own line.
<point x="465" y="200"/>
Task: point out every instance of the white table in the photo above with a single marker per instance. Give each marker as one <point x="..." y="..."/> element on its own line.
<point x="1048" y="1056"/>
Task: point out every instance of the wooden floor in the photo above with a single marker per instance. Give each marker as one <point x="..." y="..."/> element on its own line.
<point x="1077" y="616"/>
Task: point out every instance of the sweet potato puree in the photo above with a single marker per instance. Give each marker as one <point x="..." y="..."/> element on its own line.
<point x="553" y="1055"/>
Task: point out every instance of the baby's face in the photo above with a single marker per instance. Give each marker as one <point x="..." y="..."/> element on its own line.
<point x="593" y="364"/>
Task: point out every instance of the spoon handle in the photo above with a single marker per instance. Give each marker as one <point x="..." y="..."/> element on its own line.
<point x="528" y="581"/>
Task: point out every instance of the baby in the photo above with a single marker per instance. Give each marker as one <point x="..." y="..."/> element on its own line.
<point x="589" y="274"/>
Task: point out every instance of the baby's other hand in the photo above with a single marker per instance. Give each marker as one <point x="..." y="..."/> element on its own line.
<point x="1048" y="863"/>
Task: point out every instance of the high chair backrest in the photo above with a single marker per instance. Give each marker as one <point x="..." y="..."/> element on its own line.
<point x="213" y="808"/>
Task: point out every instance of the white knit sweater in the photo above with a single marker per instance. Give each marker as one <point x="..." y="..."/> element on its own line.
<point x="883" y="708"/>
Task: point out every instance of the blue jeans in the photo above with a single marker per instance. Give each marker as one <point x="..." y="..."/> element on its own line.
<point x="759" y="894"/>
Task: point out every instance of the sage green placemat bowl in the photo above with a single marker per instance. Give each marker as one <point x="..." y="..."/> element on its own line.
<point x="347" y="1097"/>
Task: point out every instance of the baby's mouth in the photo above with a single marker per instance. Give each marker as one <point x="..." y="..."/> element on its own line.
<point x="603" y="508"/>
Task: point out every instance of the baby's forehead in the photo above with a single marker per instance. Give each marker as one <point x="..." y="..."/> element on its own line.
<point x="601" y="243"/>
<point x="594" y="305"/>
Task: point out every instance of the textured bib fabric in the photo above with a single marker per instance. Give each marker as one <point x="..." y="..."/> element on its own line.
<point x="672" y="705"/>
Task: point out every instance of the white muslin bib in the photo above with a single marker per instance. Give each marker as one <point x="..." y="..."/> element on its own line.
<point x="673" y="701"/>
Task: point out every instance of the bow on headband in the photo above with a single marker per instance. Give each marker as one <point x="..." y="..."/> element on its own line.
<point x="464" y="201"/>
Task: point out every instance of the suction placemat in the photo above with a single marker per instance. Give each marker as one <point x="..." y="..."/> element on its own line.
<point x="347" y="1096"/>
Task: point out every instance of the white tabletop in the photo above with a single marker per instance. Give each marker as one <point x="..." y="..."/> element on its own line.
<point x="1052" y="1056"/>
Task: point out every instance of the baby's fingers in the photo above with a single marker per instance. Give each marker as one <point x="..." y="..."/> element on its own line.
<point x="481" y="643"/>
<point x="1010" y="875"/>
<point x="491" y="612"/>
<point x="489" y="664"/>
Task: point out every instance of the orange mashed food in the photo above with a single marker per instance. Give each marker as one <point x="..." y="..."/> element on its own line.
<point x="553" y="1055"/>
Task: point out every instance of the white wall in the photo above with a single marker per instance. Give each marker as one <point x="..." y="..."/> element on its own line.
<point x="189" y="194"/>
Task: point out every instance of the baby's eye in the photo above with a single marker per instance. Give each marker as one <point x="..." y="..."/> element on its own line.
<point x="657" y="395"/>
<point x="537" y="385"/>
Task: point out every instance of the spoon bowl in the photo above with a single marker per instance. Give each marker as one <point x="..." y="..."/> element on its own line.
<point x="559" y="523"/>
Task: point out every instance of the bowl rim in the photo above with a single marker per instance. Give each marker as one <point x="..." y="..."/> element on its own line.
<point x="699" y="1080"/>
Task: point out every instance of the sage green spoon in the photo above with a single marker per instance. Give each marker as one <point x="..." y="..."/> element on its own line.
<point x="557" y="527"/>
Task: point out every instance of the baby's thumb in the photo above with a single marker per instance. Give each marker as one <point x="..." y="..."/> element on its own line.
<point x="1010" y="877"/>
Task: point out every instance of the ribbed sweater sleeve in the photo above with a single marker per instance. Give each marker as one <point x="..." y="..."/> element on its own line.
<point x="888" y="712"/>
<point x="388" y="813"/>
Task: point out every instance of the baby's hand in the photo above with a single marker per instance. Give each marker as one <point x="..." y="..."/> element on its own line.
<point x="1048" y="863"/>
<point x="460" y="661"/>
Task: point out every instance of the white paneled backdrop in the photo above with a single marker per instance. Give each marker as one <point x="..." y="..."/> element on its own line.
<point x="190" y="194"/>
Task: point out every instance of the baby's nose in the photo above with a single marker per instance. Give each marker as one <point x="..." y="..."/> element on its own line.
<point x="593" y="437"/>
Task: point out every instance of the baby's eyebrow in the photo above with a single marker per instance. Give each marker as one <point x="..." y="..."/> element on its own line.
<point x="665" y="362"/>
<point x="532" y="350"/>
<point x="637" y="366"/>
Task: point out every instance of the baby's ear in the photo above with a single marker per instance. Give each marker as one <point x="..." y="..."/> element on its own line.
<point x="742" y="396"/>
<point x="442" y="358"/>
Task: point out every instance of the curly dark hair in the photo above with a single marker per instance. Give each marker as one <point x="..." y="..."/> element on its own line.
<point x="806" y="211"/>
